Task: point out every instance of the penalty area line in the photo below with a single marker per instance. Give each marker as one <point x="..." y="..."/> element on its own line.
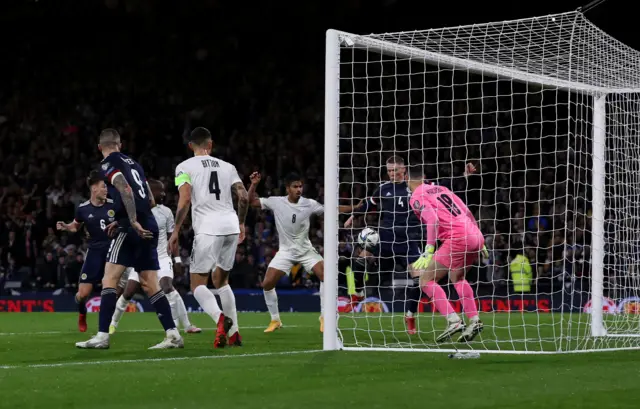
<point x="147" y="360"/>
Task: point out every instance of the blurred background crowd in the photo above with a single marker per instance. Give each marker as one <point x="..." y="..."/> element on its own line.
<point x="155" y="71"/>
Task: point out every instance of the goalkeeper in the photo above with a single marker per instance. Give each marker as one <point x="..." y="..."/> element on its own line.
<point x="448" y="220"/>
<point x="400" y="232"/>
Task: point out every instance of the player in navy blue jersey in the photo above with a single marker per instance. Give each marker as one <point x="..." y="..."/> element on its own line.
<point x="135" y="244"/>
<point x="400" y="233"/>
<point x="95" y="215"/>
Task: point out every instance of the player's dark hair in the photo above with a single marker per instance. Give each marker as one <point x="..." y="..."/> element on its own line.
<point x="416" y="172"/>
<point x="94" y="177"/>
<point x="155" y="184"/>
<point x="395" y="159"/>
<point x="199" y="136"/>
<point x="109" y="137"/>
<point x="290" y="178"/>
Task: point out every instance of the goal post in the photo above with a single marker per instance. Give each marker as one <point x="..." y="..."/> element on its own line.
<point x="547" y="108"/>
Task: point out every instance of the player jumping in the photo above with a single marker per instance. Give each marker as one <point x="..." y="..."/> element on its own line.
<point x="209" y="184"/>
<point x="95" y="214"/>
<point x="400" y="234"/>
<point x="447" y="219"/>
<point x="134" y="246"/>
<point x="292" y="213"/>
<point x="164" y="218"/>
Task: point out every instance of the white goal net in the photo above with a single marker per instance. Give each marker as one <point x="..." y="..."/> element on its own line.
<point x="547" y="111"/>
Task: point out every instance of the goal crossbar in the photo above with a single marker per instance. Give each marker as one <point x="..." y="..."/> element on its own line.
<point x="577" y="43"/>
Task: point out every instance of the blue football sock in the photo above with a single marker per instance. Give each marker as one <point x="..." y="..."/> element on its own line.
<point x="107" y="307"/>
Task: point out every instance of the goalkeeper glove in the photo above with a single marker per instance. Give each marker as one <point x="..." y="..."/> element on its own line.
<point x="485" y="254"/>
<point x="425" y="258"/>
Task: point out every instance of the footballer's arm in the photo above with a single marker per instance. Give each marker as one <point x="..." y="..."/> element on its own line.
<point x="253" y="199"/>
<point x="72" y="227"/>
<point x="238" y="190"/>
<point x="152" y="199"/>
<point x="128" y="201"/>
<point x="184" y="204"/>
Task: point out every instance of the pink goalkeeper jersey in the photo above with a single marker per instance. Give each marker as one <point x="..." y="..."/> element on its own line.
<point x="445" y="215"/>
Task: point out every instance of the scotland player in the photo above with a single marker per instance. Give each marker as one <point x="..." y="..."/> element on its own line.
<point x="134" y="246"/>
<point x="95" y="214"/>
<point x="400" y="233"/>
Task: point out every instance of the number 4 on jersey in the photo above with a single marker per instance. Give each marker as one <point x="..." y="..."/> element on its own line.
<point x="214" y="186"/>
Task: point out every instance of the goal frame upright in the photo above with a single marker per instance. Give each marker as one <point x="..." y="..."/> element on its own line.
<point x="335" y="42"/>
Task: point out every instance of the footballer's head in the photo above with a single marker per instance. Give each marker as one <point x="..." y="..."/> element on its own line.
<point x="96" y="184"/>
<point x="415" y="176"/>
<point x="396" y="169"/>
<point x="157" y="190"/>
<point x="109" y="141"/>
<point x="293" y="184"/>
<point x="200" y="141"/>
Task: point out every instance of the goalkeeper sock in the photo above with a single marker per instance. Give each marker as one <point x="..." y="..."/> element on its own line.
<point x="413" y="298"/>
<point x="228" y="301"/>
<point x="208" y="302"/>
<point x="465" y="293"/>
<point x="439" y="299"/>
<point x="271" y="299"/>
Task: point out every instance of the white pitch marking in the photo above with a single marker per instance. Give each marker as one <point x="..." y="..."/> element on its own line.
<point x="134" y="361"/>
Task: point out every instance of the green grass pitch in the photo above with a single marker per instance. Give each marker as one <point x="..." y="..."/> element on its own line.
<point x="41" y="368"/>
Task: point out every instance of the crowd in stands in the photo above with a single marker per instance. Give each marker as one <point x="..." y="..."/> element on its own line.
<point x="265" y="107"/>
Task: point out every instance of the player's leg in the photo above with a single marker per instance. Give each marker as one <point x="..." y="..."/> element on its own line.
<point x="91" y="274"/>
<point x="409" y="253"/>
<point x="83" y="294"/>
<point x="226" y="247"/>
<point x="203" y="259"/>
<point x="363" y="262"/>
<point x="131" y="286"/>
<point x="470" y="249"/>
<point x="439" y="267"/>
<point x="146" y="262"/>
<point x="280" y="264"/>
<point x="178" y="309"/>
<point x="312" y="261"/>
<point x="117" y="256"/>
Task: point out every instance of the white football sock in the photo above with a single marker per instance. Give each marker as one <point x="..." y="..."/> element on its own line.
<point x="228" y="301"/>
<point x="321" y="298"/>
<point x="172" y="305"/>
<point x="271" y="299"/>
<point x="208" y="302"/>
<point x="121" y="306"/>
<point x="183" y="315"/>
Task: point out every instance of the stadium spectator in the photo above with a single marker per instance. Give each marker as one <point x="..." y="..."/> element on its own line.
<point x="266" y="110"/>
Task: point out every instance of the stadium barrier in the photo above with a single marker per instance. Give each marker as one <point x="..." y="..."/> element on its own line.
<point x="308" y="301"/>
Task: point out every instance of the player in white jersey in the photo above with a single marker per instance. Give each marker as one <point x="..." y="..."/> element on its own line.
<point x="131" y="282"/>
<point x="292" y="214"/>
<point x="209" y="184"/>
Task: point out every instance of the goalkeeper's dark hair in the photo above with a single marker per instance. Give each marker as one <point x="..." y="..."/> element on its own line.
<point x="290" y="178"/>
<point x="94" y="177"/>
<point x="109" y="137"/>
<point x="395" y="159"/>
<point x="199" y="136"/>
<point x="415" y="172"/>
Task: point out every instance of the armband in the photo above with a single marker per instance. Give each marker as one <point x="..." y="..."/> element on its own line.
<point x="182" y="178"/>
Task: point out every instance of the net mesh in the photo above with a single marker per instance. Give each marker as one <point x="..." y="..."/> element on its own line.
<point x="515" y="99"/>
